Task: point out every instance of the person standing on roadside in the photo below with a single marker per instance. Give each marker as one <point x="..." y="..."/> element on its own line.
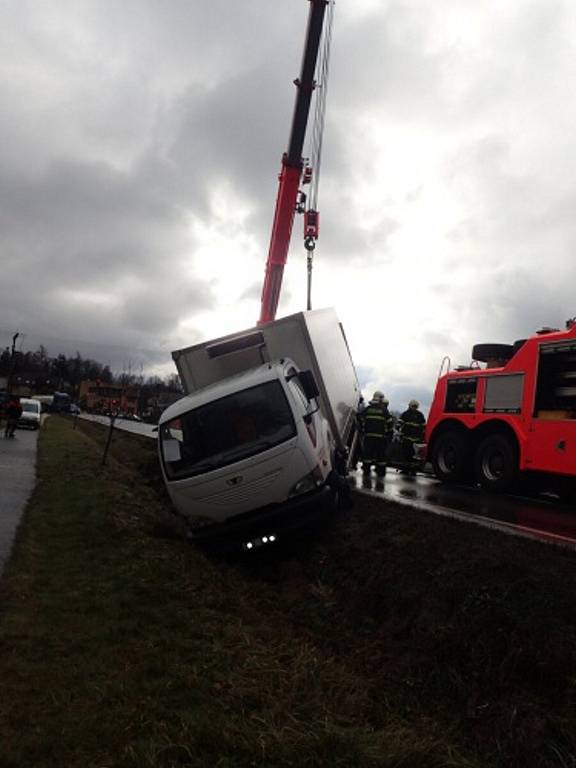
<point x="411" y="424"/>
<point x="13" y="413"/>
<point x="377" y="429"/>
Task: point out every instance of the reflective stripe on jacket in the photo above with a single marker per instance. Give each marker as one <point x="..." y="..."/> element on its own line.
<point x="377" y="421"/>
<point x="412" y="424"/>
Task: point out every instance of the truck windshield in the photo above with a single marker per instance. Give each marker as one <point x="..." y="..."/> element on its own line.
<point x="226" y="431"/>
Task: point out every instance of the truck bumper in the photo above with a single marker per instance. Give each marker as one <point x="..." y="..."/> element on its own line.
<point x="275" y="521"/>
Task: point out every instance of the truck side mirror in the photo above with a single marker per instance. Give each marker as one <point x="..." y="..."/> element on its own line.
<point x="309" y="385"/>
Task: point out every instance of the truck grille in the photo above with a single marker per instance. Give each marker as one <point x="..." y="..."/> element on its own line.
<point x="243" y="492"/>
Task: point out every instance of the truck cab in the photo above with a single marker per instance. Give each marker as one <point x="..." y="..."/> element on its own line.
<point x="245" y="448"/>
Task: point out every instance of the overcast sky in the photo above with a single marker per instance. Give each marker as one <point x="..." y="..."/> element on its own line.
<point x="140" y="143"/>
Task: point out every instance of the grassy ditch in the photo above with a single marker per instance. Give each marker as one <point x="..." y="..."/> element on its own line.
<point x="390" y="639"/>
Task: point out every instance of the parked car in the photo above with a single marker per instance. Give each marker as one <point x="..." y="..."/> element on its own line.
<point x="31" y="411"/>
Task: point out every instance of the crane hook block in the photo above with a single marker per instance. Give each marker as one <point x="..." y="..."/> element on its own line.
<point x="309" y="244"/>
<point x="311" y="224"/>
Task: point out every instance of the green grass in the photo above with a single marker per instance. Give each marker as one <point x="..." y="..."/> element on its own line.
<point x="391" y="639"/>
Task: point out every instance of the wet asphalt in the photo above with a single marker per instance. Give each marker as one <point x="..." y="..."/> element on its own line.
<point x="17" y="478"/>
<point x="544" y="518"/>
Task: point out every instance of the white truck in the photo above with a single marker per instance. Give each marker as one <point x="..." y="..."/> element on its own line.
<point x="260" y="441"/>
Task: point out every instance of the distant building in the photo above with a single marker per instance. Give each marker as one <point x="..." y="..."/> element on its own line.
<point x="101" y="397"/>
<point x="158" y="403"/>
<point x="21" y="386"/>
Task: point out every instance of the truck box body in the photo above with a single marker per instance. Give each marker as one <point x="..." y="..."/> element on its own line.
<point x="314" y="340"/>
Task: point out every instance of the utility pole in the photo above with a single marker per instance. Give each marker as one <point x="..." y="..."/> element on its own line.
<point x="12" y="362"/>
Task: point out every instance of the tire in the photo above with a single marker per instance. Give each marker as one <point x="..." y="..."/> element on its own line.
<point x="485" y="353"/>
<point x="449" y="456"/>
<point x="496" y="463"/>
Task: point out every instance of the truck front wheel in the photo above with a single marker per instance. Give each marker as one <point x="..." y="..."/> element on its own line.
<point x="496" y="463"/>
<point x="449" y="454"/>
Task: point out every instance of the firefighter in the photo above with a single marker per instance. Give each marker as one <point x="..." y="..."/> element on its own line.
<point x="411" y="426"/>
<point x="377" y="429"/>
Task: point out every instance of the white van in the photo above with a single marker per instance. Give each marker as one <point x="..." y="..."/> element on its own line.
<point x="31" y="410"/>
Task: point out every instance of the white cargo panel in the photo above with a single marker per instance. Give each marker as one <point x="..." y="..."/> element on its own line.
<point x="314" y="340"/>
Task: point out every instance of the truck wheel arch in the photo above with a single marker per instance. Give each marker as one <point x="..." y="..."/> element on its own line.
<point x="447" y="425"/>
<point x="449" y="450"/>
<point x="497" y="458"/>
<point x="496" y="427"/>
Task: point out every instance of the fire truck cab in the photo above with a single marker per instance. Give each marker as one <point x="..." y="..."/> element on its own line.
<point x="516" y="415"/>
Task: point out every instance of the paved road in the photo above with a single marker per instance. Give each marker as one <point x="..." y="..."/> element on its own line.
<point x="137" y="427"/>
<point x="539" y="518"/>
<point x="17" y="478"/>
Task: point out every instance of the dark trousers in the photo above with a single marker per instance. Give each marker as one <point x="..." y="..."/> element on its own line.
<point x="10" y="427"/>
<point x="408" y="453"/>
<point x="374" y="453"/>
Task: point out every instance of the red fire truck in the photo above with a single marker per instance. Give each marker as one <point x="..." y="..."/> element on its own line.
<point x="515" y="417"/>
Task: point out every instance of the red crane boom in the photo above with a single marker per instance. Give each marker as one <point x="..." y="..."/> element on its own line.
<point x="292" y="166"/>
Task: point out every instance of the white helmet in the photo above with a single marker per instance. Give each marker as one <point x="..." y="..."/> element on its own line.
<point x="414" y="404"/>
<point x="378" y="397"/>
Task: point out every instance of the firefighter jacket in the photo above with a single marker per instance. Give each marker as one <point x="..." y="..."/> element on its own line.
<point x="412" y="423"/>
<point x="376" y="421"/>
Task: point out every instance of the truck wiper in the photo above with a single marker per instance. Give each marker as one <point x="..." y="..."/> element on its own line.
<point x="248" y="450"/>
<point x="204" y="467"/>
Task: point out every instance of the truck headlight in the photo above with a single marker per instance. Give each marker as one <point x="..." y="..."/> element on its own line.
<point x="308" y="483"/>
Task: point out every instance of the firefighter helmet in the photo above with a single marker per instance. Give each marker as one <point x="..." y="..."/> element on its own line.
<point x="378" y="396"/>
<point x="413" y="404"/>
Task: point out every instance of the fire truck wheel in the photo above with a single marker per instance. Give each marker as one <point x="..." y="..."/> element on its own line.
<point x="496" y="463"/>
<point x="449" y="452"/>
<point x="486" y="353"/>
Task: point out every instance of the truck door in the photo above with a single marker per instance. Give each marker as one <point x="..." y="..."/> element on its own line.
<point x="315" y="424"/>
<point x="552" y="446"/>
<point x="552" y="432"/>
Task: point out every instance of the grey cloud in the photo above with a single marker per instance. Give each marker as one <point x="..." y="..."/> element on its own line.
<point x="383" y="59"/>
<point x="253" y="292"/>
<point x="437" y="341"/>
<point x="87" y="228"/>
<point x="365" y="375"/>
<point x="401" y="394"/>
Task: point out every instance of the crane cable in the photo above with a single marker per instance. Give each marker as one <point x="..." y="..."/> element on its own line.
<point x="322" y="71"/>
